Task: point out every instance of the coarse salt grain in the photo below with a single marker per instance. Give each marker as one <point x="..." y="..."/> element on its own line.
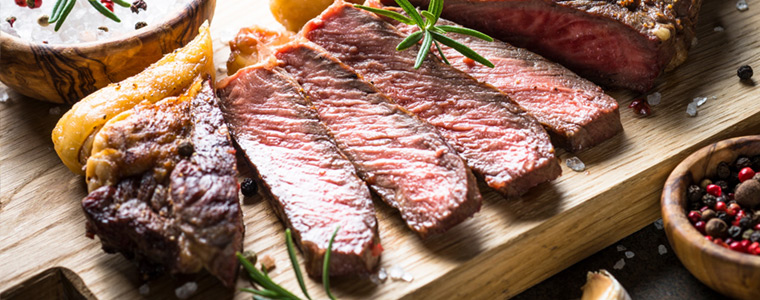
<point x="691" y="109"/>
<point x="741" y="5"/>
<point x="718" y="29"/>
<point x="144" y="289"/>
<point x="186" y="290"/>
<point x="56" y="110"/>
<point x="629" y="254"/>
<point x="619" y="264"/>
<point x="659" y="224"/>
<point x="662" y="249"/>
<point x="700" y="101"/>
<point x="4" y="96"/>
<point x="654" y="98"/>
<point x="395" y="272"/>
<point x="380" y="277"/>
<point x="575" y="164"/>
<point x="621" y="248"/>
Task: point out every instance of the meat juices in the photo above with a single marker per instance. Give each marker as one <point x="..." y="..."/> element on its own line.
<point x="617" y="43"/>
<point x="168" y="211"/>
<point x="499" y="140"/>
<point x="402" y="158"/>
<point x="313" y="187"/>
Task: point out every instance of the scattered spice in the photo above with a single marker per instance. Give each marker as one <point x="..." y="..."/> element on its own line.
<point x="185" y="148"/>
<point x="139" y="25"/>
<point x="10" y="20"/>
<point x="267" y="262"/>
<point x="21" y="3"/>
<point x="744" y="72"/>
<point x="249" y="187"/>
<point x="103" y="28"/>
<point x="33" y="3"/>
<point x="640" y="107"/>
<point x="44" y="20"/>
<point x="575" y="164"/>
<point x="138" y="5"/>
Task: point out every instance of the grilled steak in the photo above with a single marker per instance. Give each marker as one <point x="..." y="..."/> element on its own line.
<point x="402" y="158"/>
<point x="312" y="186"/>
<point x="163" y="187"/>
<point x="625" y="43"/>
<point x="577" y="113"/>
<point x="497" y="138"/>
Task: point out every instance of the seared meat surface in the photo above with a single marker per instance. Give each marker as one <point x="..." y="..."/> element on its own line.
<point x="498" y="139"/>
<point x="163" y="187"/>
<point x="625" y="43"/>
<point x="402" y="158"/>
<point x="311" y="185"/>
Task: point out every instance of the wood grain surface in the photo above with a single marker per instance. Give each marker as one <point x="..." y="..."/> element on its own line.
<point x="506" y="248"/>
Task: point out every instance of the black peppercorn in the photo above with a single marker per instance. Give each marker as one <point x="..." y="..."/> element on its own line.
<point x="140" y="24"/>
<point x="694" y="193"/>
<point x="755" y="237"/>
<point x="734" y="232"/>
<point x="723" y="185"/>
<point x="724" y="171"/>
<point x="744" y="72"/>
<point x="709" y="200"/>
<point x="185" y="148"/>
<point x="724" y="216"/>
<point x="249" y="187"/>
<point x="745" y="222"/>
<point x="743" y="162"/>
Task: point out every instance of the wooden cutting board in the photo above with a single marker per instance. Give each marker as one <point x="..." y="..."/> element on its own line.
<point x="506" y="248"/>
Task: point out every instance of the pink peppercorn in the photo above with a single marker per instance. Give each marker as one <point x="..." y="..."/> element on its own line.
<point x="720" y="206"/>
<point x="714" y="190"/>
<point x="694" y="216"/>
<point x="745" y="174"/>
<point x="736" y="246"/>
<point x="700" y="226"/>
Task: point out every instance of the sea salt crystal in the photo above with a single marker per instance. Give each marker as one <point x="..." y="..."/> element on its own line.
<point x="4" y="96"/>
<point x="691" y="109"/>
<point x="575" y="164"/>
<point x="54" y="111"/>
<point x="718" y="29"/>
<point x="186" y="290"/>
<point x="700" y="101"/>
<point x="621" y="248"/>
<point x="407" y="277"/>
<point x="619" y="264"/>
<point x="629" y="254"/>
<point x="395" y="272"/>
<point x="741" y="5"/>
<point x="662" y="249"/>
<point x="144" y="289"/>
<point x="380" y="277"/>
<point x="659" y="224"/>
<point x="654" y="98"/>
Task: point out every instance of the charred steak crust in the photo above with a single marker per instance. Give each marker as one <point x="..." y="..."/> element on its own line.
<point x="402" y="158"/>
<point x="499" y="140"/>
<point x="576" y="113"/>
<point x="625" y="43"/>
<point x="183" y="213"/>
<point x="311" y="185"/>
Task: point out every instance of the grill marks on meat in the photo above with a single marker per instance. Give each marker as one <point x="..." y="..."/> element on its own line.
<point x="576" y="112"/>
<point x="167" y="211"/>
<point x="616" y="43"/>
<point x="313" y="187"/>
<point x="496" y="137"/>
<point x="401" y="157"/>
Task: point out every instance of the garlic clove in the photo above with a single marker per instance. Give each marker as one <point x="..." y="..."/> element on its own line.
<point x="603" y="286"/>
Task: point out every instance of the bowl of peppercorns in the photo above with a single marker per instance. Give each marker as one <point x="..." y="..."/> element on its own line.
<point x="711" y="211"/>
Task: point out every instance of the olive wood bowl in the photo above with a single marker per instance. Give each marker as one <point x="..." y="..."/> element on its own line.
<point x="66" y="73"/>
<point x="729" y="272"/>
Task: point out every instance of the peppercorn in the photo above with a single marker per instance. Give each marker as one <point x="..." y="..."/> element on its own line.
<point x="694" y="216"/>
<point x="249" y="187"/>
<point x="138" y="5"/>
<point x="747" y="234"/>
<point x="748" y="193"/>
<point x="709" y="200"/>
<point x="723" y="216"/>
<point x="714" y="190"/>
<point x="755" y="236"/>
<point x="640" y="107"/>
<point x="716" y="227"/>
<point x="11" y="20"/>
<point x="700" y="226"/>
<point x="694" y="193"/>
<point x="744" y="222"/>
<point x="734" y="232"/>
<point x="723" y="171"/>
<point x="38" y="3"/>
<point x="704" y="183"/>
<point x="744" y="72"/>
<point x="140" y="24"/>
<point x="746" y="174"/>
<point x="742" y="162"/>
<point x="708" y="214"/>
<point x="185" y="148"/>
<point x="21" y="3"/>
<point x="723" y="185"/>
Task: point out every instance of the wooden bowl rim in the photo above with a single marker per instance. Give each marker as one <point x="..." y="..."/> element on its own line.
<point x="674" y="215"/>
<point x="149" y="31"/>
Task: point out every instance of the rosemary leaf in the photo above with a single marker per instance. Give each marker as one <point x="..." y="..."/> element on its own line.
<point x="440" y="52"/>
<point x="412" y="12"/>
<point x="467" y="31"/>
<point x="466" y="51"/>
<point x="436" y="7"/>
<point x="263" y="293"/>
<point x="122" y="3"/>
<point x="104" y="10"/>
<point x="264" y="280"/>
<point x="387" y="13"/>
<point x="65" y="13"/>
<point x="294" y="261"/>
<point x="57" y="9"/>
<point x="326" y="265"/>
<point x="430" y="19"/>
<point x="426" y="43"/>
<point x="409" y="41"/>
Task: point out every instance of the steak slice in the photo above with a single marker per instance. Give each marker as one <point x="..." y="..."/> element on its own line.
<point x="164" y="191"/>
<point x="312" y="186"/>
<point x="625" y="43"/>
<point x="402" y="158"/>
<point x="576" y="112"/>
<point x="498" y="139"/>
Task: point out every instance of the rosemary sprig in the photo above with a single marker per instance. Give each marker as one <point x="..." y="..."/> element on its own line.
<point x="429" y="33"/>
<point x="271" y="290"/>
<point x="63" y="8"/>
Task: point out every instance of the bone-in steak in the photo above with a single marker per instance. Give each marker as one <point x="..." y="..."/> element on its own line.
<point x="163" y="187"/>
<point x="312" y="186"/>
<point x="625" y="43"/>
<point x="497" y="138"/>
<point x="402" y="158"/>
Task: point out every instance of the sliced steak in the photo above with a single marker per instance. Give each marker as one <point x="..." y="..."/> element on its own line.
<point x="625" y="43"/>
<point x="497" y="138"/>
<point x="402" y="158"/>
<point x="312" y="186"/>
<point x="164" y="190"/>
<point x="576" y="112"/>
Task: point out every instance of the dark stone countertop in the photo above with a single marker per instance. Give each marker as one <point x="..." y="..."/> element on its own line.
<point x="647" y="275"/>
